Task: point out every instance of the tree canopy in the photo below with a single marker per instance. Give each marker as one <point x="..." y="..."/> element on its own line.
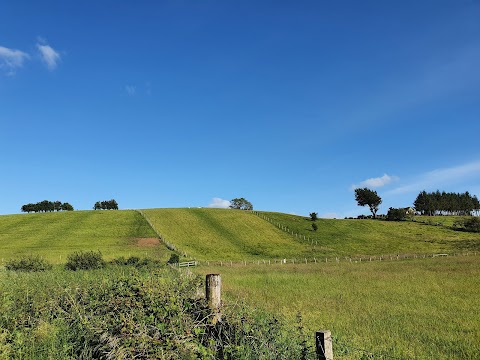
<point x="241" y="204"/>
<point x="106" y="205"/>
<point x="436" y="203"/>
<point x="47" y="206"/>
<point x="368" y="197"/>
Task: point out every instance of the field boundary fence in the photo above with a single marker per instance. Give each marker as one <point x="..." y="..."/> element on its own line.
<point x="336" y="259"/>
<point x="285" y="228"/>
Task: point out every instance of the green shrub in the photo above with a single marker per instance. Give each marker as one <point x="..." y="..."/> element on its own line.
<point x="174" y="259"/>
<point x="135" y="261"/>
<point x="470" y="224"/>
<point x="85" y="260"/>
<point x="395" y="214"/>
<point x="28" y="263"/>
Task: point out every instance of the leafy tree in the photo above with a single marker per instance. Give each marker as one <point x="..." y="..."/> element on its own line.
<point x="241" y="204"/>
<point x="47" y="206"/>
<point x="446" y="203"/>
<point x="313" y="216"/>
<point x="106" y="205"/>
<point x="396" y="214"/>
<point x="314" y="226"/>
<point x="368" y="197"/>
<point x="66" y="207"/>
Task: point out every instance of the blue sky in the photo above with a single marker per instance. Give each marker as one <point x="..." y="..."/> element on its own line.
<point x="290" y="104"/>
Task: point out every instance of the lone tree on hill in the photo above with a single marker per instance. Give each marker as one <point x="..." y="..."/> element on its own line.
<point x="368" y="197"/>
<point x="313" y="216"/>
<point x="241" y="204"/>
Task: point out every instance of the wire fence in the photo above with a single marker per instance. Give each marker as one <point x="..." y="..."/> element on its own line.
<point x="324" y="260"/>
<point x="286" y="229"/>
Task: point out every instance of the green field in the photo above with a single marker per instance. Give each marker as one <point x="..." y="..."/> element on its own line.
<point x="413" y="309"/>
<point x="376" y="237"/>
<point x="219" y="234"/>
<point x="55" y="235"/>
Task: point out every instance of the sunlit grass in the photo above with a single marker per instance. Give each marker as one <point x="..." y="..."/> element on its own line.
<point x="211" y="234"/>
<point x="345" y="237"/>
<point x="55" y="235"/>
<point x="423" y="309"/>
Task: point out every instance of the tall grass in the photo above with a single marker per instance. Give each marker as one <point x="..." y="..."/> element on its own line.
<point x="422" y="309"/>
<point x="125" y="313"/>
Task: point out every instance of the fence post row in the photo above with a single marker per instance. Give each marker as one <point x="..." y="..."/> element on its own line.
<point x="323" y="345"/>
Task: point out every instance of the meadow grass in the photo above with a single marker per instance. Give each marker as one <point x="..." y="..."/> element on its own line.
<point x="422" y="309"/>
<point x="56" y="235"/>
<point x="229" y="235"/>
<point x="221" y="234"/>
<point x="440" y="220"/>
<point x="348" y="237"/>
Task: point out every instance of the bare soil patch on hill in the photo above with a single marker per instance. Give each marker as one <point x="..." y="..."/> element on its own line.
<point x="146" y="242"/>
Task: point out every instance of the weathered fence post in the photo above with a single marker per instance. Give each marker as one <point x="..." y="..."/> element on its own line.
<point x="213" y="292"/>
<point x="323" y="344"/>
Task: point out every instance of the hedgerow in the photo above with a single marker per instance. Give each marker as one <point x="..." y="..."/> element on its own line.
<point x="128" y="312"/>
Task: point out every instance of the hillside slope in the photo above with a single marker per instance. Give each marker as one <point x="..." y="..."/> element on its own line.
<point x="220" y="235"/>
<point x="223" y="234"/>
<point x="55" y="235"/>
<point x="351" y="237"/>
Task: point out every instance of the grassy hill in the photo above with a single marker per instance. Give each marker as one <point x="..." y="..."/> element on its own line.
<point x="219" y="234"/>
<point x="376" y="237"/>
<point x="55" y="235"/>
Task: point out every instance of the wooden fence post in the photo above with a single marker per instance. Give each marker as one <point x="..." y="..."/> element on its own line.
<point x="323" y="343"/>
<point x="213" y="292"/>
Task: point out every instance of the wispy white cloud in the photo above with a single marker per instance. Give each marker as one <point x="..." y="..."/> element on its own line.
<point x="219" y="203"/>
<point x="131" y="90"/>
<point x="376" y="182"/>
<point x="440" y="178"/>
<point x="49" y="56"/>
<point x="11" y="60"/>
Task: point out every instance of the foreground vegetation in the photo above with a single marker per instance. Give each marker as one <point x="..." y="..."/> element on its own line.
<point x="421" y="309"/>
<point x="55" y="235"/>
<point x="125" y="312"/>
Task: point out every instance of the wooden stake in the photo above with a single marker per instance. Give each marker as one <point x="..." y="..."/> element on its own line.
<point x="324" y="346"/>
<point x="213" y="293"/>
